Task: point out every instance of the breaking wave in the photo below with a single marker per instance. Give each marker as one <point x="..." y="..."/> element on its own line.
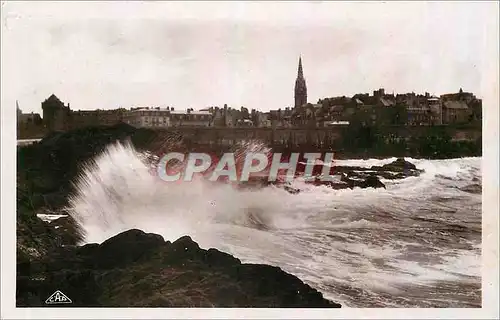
<point x="414" y="244"/>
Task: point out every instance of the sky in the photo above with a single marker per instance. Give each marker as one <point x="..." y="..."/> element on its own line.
<point x="105" y="55"/>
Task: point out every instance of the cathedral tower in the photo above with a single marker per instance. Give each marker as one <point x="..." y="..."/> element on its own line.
<point x="300" y="87"/>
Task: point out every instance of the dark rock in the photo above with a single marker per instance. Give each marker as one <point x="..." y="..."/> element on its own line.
<point x="67" y="231"/>
<point x="260" y="182"/>
<point x="400" y="165"/>
<point x="142" y="270"/>
<point x="126" y="248"/>
<point x="291" y="190"/>
<point x="372" y="182"/>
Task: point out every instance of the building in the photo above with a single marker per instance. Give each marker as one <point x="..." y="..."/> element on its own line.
<point x="84" y="118"/>
<point x="436" y="110"/>
<point x="27" y="118"/>
<point x="300" y="87"/>
<point x="218" y="117"/>
<point x="263" y="120"/>
<point x="419" y="111"/>
<point x="244" y="123"/>
<point x="460" y="96"/>
<point x="282" y="118"/>
<point x="147" y="117"/>
<point x="459" y="107"/>
<point x="455" y="112"/>
<point x="167" y="117"/>
<point x="307" y="115"/>
<point x="191" y="118"/>
<point x="231" y="117"/>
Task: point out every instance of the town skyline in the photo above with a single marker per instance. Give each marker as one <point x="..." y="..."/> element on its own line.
<point x="241" y="61"/>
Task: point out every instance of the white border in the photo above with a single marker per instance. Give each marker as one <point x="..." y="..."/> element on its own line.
<point x="490" y="95"/>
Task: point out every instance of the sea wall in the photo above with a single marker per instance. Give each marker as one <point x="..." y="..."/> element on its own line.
<point x="438" y="142"/>
<point x="227" y="136"/>
<point x="272" y="136"/>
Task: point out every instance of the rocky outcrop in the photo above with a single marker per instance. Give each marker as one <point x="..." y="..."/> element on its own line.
<point x="346" y="182"/>
<point x="67" y="231"/>
<point x="399" y="165"/>
<point x="348" y="177"/>
<point x="136" y="269"/>
<point x="371" y="181"/>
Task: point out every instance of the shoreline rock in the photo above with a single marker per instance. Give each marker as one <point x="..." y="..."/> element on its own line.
<point x="138" y="269"/>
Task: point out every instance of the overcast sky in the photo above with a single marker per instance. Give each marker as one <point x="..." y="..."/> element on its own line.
<point x="108" y="55"/>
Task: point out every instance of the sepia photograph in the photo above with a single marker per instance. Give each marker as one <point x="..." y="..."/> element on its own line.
<point x="248" y="156"/>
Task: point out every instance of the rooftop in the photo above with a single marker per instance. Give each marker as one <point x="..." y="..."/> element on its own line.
<point x="456" y="105"/>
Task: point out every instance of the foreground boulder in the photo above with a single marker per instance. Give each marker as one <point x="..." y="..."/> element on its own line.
<point x="135" y="269"/>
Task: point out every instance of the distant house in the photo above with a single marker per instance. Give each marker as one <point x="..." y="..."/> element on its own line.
<point x="418" y="114"/>
<point x="436" y="110"/>
<point x="84" y="118"/>
<point x="455" y="112"/>
<point x="157" y="117"/>
<point x="459" y="107"/>
<point x="190" y="118"/>
<point x="27" y="118"/>
<point x="148" y="117"/>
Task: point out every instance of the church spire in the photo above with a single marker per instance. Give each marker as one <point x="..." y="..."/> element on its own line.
<point x="300" y="87"/>
<point x="300" y="73"/>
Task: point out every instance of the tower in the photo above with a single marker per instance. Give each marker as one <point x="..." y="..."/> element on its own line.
<point x="55" y="114"/>
<point x="300" y="87"/>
